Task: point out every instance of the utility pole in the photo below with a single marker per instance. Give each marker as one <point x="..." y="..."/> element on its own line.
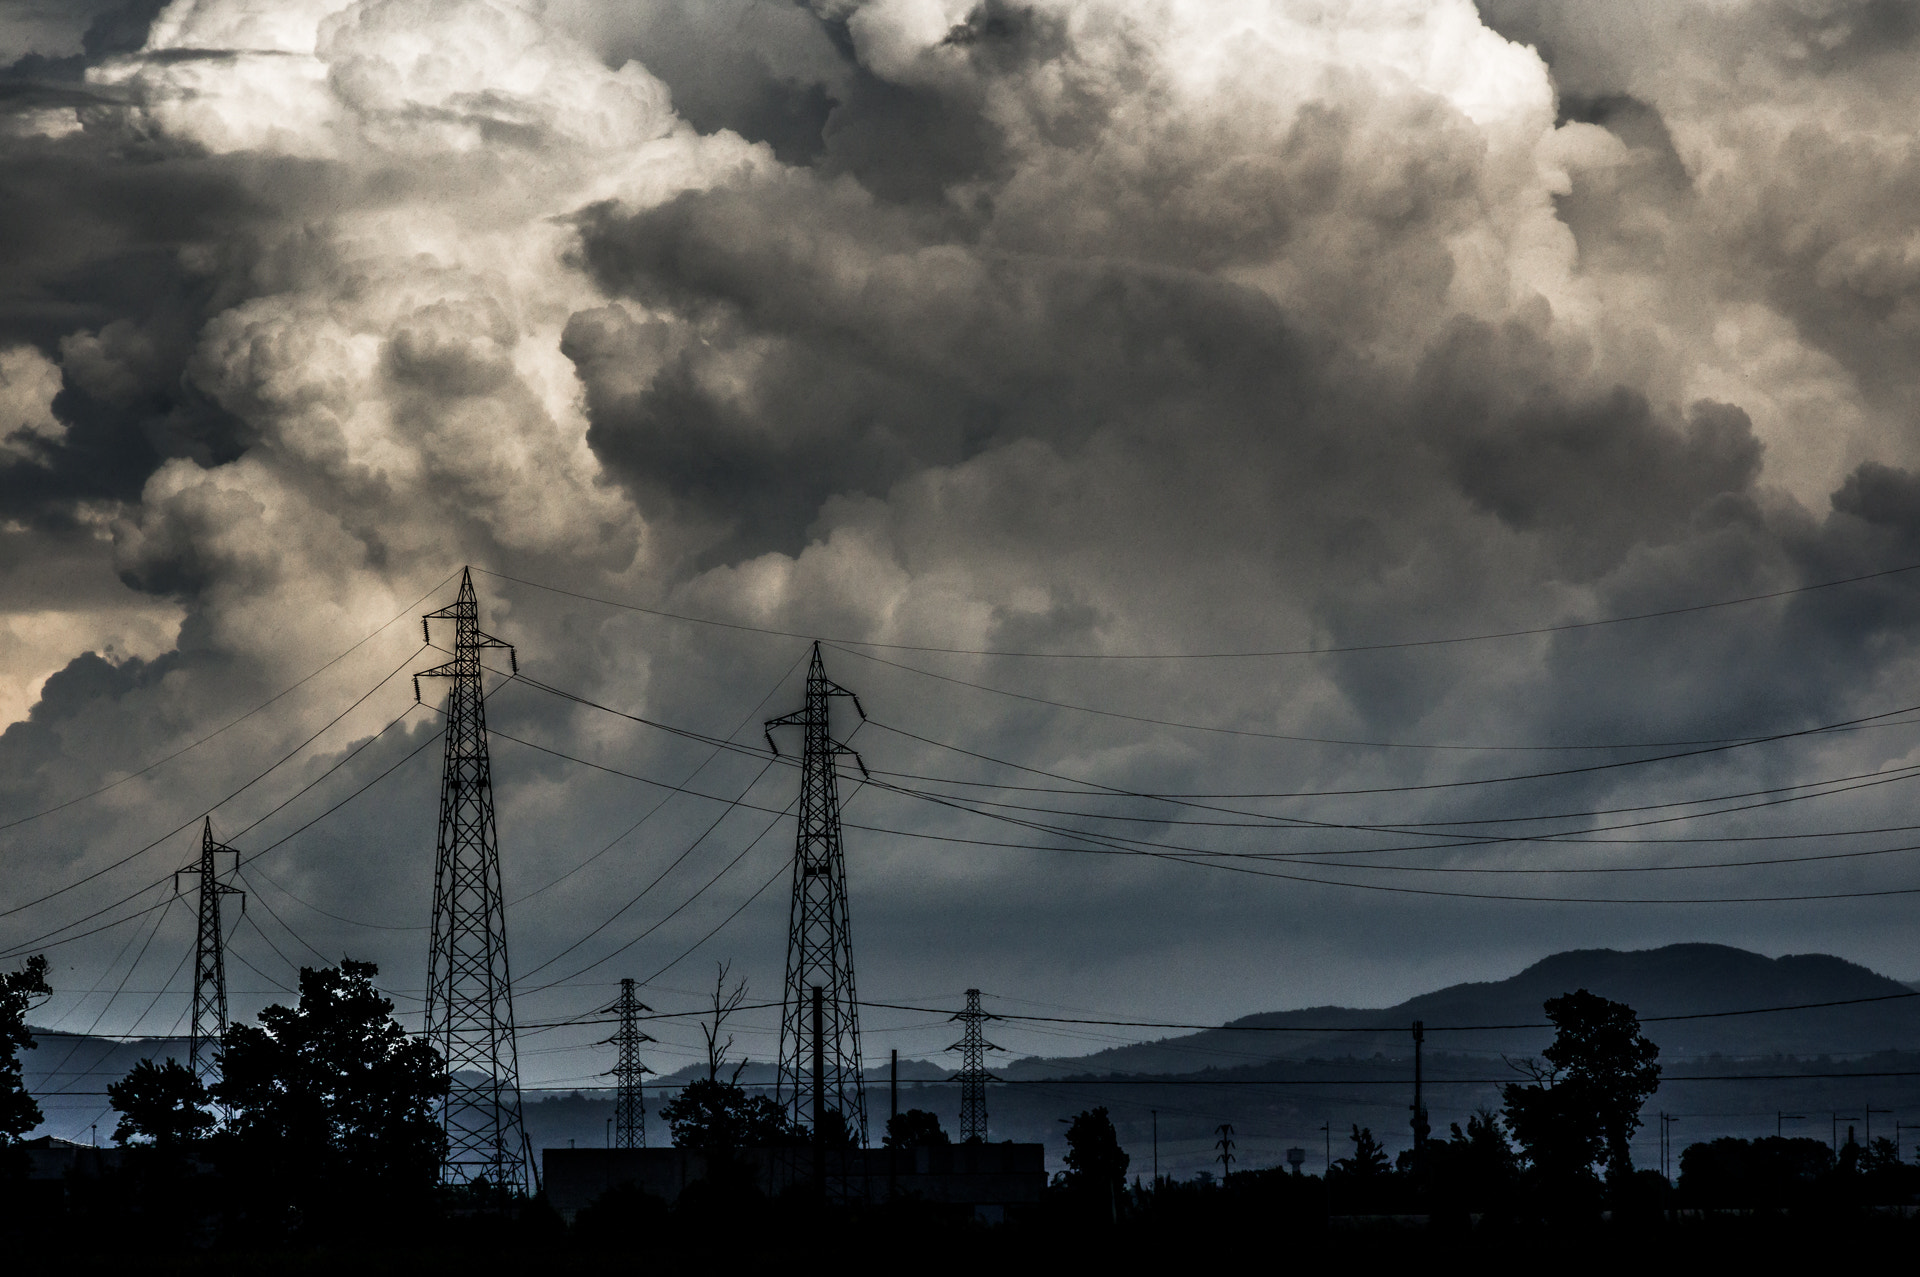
<point x="1869" y="1111"/>
<point x="1779" y="1118"/>
<point x="209" y="958"/>
<point x="893" y="1111"/>
<point x="1666" y="1144"/>
<point x="1420" y="1125"/>
<point x="973" y="1050"/>
<point x="819" y="946"/>
<point x="1156" y="1151"/>
<point x="469" y="987"/>
<point x="629" y="1105"/>
<point x="1225" y="1145"/>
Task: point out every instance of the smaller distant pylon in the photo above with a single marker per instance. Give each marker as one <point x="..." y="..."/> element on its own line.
<point x="209" y="958"/>
<point x="973" y="1047"/>
<point x="629" y="1106"/>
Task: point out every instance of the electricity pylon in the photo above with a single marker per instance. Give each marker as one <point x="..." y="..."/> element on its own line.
<point x="819" y="948"/>
<point x="973" y="1048"/>
<point x="629" y="1107"/>
<point x="209" y="960"/>
<point x="469" y="991"/>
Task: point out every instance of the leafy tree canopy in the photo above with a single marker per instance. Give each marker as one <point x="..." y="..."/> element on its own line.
<point x="164" y="1105"/>
<point x="18" y="991"/>
<point x="1368" y="1158"/>
<point x="718" y="1117"/>
<point x="1095" y="1161"/>
<point x="1584" y="1103"/>
<point x="334" y="1089"/>
<point x="915" y="1128"/>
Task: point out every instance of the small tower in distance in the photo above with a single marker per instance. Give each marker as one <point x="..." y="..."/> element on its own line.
<point x="629" y="1107"/>
<point x="209" y="959"/>
<point x="973" y="1047"/>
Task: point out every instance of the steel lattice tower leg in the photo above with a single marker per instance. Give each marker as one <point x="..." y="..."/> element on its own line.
<point x="973" y="1048"/>
<point x="469" y="990"/>
<point x="629" y="1106"/>
<point x="819" y="947"/>
<point x="209" y="961"/>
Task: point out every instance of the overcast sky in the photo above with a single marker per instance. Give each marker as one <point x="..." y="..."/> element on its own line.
<point x="1085" y="328"/>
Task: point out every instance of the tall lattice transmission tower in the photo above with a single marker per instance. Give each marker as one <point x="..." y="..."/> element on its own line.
<point x="973" y="1047"/>
<point x="819" y="947"/>
<point x="629" y="1106"/>
<point x="469" y="991"/>
<point x="209" y="959"/>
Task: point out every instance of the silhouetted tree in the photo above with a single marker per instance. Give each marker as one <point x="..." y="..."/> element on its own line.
<point x="331" y="1099"/>
<point x="18" y="990"/>
<point x="725" y="1002"/>
<point x="1368" y="1158"/>
<point x="160" y="1104"/>
<point x="1096" y="1164"/>
<point x="720" y="1117"/>
<point x="915" y="1128"/>
<point x="713" y="1115"/>
<point x="1583" y="1105"/>
<point x="1773" y="1171"/>
<point x="1474" y="1169"/>
<point x="1880" y="1154"/>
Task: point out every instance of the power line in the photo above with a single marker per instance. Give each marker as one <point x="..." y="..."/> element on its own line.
<point x="236" y="722"/>
<point x="1278" y="821"/>
<point x="670" y="915"/>
<point x="1198" y="656"/>
<point x="1100" y="845"/>
<point x="285" y="758"/>
<point x="1401" y="1027"/>
<point x="658" y="878"/>
<point x="1553" y="773"/>
<point x="46" y="940"/>
<point x="1118" y="841"/>
<point x="667" y="797"/>
<point x="1097" y="789"/>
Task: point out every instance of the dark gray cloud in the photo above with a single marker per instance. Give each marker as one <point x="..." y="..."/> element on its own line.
<point x="1010" y="330"/>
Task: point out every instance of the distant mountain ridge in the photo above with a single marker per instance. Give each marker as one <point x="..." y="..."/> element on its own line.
<point x="1678" y="979"/>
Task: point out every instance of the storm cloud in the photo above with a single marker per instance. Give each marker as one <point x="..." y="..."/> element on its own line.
<point x="1077" y="327"/>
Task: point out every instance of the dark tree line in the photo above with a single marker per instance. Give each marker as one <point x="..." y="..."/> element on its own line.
<point x="328" y="1127"/>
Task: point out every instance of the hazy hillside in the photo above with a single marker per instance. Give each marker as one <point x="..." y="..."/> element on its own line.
<point x="1676" y="979"/>
<point x="67" y="1075"/>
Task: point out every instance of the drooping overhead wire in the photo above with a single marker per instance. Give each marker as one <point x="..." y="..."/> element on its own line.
<point x="56" y="937"/>
<point x="667" y="796"/>
<point x="657" y="879"/>
<point x="249" y="784"/>
<point x="1549" y="774"/>
<point x="1083" y="843"/>
<point x="276" y="697"/>
<point x="1332" y="650"/>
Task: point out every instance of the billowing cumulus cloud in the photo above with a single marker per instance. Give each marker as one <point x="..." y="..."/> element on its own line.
<point x="1067" y="327"/>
